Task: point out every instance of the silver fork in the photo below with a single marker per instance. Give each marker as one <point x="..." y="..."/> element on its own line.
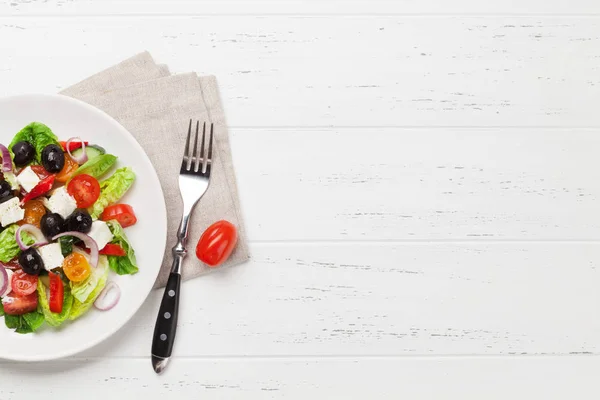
<point x="194" y="178"/>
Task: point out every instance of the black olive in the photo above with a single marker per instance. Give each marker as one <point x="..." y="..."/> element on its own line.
<point x="53" y="158"/>
<point x="6" y="192"/>
<point x="24" y="153"/>
<point x="79" y="221"/>
<point x="52" y="224"/>
<point x="31" y="261"/>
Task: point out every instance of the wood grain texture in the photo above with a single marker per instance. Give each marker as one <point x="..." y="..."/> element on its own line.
<point x="395" y="299"/>
<point x="345" y="71"/>
<point x="419" y="184"/>
<point x="294" y="7"/>
<point x="549" y="378"/>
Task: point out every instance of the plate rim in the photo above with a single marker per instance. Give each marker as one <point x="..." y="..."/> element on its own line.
<point x="163" y="211"/>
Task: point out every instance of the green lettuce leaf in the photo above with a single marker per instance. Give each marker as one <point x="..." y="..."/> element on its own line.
<point x="34" y="321"/>
<point x="97" y="166"/>
<point x="1" y="308"/>
<point x="54" y="319"/>
<point x="112" y="189"/>
<point x="9" y="248"/>
<point x="125" y="265"/>
<point x="82" y="290"/>
<point x="12" y="321"/>
<point x="38" y="134"/>
<point x="79" y="308"/>
<point x="11" y="178"/>
<point x="26" y="323"/>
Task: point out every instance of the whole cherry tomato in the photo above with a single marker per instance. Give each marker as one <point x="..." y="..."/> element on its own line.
<point x="216" y="243"/>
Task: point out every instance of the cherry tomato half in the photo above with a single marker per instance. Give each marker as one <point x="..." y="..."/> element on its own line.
<point x="68" y="170"/>
<point x="18" y="305"/>
<point x="123" y="213"/>
<point x="76" y="267"/>
<point x="216" y="243"/>
<point x="112" y="249"/>
<point x="57" y="293"/>
<point x="34" y="211"/>
<point x="85" y="189"/>
<point x="23" y="284"/>
<point x="74" y="145"/>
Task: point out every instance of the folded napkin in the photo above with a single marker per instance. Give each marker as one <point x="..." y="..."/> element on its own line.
<point x="155" y="107"/>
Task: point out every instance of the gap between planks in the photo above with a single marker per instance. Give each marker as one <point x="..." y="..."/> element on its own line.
<point x="316" y="357"/>
<point x="380" y="242"/>
<point x="307" y="15"/>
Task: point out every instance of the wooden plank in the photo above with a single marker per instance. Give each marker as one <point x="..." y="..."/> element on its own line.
<point x="377" y="299"/>
<point x="418" y="184"/>
<point x="344" y="71"/>
<point x="348" y="378"/>
<point x="297" y="7"/>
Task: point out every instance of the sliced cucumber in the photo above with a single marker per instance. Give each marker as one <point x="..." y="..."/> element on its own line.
<point x="92" y="151"/>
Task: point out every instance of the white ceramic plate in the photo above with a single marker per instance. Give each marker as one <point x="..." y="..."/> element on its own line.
<point x="68" y="118"/>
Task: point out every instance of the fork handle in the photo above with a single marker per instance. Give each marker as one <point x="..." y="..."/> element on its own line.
<point x="166" y="323"/>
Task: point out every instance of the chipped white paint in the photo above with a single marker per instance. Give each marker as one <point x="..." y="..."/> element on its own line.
<point x="420" y="181"/>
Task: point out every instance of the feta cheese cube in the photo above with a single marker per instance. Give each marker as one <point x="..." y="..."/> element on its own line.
<point x="61" y="202"/>
<point x="51" y="256"/>
<point x="28" y="179"/>
<point x="101" y="234"/>
<point x="11" y="212"/>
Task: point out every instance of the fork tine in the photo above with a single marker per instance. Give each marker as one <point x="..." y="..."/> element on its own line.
<point x="210" y="144"/>
<point x="201" y="163"/>
<point x="195" y="160"/>
<point x="186" y="162"/>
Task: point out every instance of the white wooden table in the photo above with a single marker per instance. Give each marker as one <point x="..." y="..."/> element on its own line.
<point x="420" y="181"/>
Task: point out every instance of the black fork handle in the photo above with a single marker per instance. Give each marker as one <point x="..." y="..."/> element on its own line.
<point x="166" y="322"/>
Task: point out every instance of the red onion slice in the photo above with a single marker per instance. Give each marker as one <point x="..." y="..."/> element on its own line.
<point x="105" y="305"/>
<point x="89" y="243"/>
<point x="33" y="231"/>
<point x="83" y="157"/>
<point x="6" y="161"/>
<point x="4" y="284"/>
<point x="9" y="284"/>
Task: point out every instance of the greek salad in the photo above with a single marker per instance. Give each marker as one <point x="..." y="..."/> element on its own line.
<point x="61" y="229"/>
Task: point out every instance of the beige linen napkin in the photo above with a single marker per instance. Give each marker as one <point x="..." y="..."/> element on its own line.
<point x="156" y="108"/>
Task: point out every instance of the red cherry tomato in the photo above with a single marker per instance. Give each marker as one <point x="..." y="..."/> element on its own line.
<point x="123" y="213"/>
<point x="41" y="188"/>
<point x="216" y="243"/>
<point x="57" y="292"/>
<point x="18" y="305"/>
<point x="40" y="171"/>
<point x="113" y="250"/>
<point x="23" y="284"/>
<point x="74" y="145"/>
<point x="85" y="189"/>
